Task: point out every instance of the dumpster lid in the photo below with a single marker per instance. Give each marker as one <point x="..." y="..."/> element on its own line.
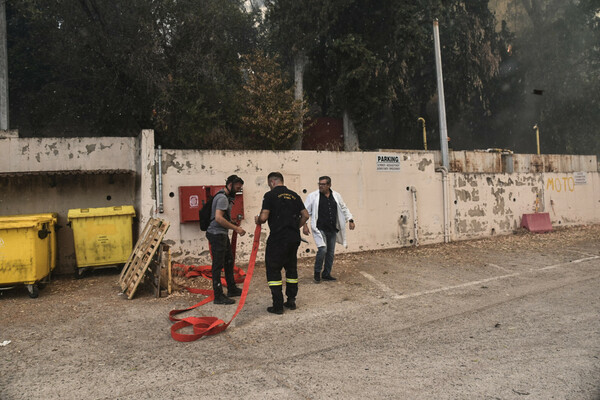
<point x="20" y="224"/>
<point x="100" y="212"/>
<point x="42" y="217"/>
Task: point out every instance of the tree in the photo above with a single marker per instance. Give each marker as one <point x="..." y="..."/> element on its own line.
<point x="375" y="60"/>
<point x="111" y="68"/>
<point x="272" y="118"/>
<point x="200" y="87"/>
<point x="290" y="29"/>
<point x="551" y="78"/>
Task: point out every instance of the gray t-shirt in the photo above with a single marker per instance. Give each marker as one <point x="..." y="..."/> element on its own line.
<point x="220" y="202"/>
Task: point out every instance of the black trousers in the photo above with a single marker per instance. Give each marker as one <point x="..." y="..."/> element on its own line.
<point x="222" y="259"/>
<point x="282" y="253"/>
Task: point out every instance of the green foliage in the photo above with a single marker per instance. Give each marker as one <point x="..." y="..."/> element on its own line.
<point x="375" y="60"/>
<point x="271" y="118"/>
<point x="86" y="67"/>
<point x="111" y="68"/>
<point x="556" y="56"/>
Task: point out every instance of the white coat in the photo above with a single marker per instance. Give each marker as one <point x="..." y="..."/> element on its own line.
<point x="343" y="216"/>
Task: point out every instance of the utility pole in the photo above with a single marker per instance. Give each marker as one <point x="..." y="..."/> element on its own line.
<point x="441" y="101"/>
<point x="3" y="69"/>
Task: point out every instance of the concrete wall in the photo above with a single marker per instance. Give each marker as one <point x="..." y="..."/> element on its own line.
<point x="572" y="199"/>
<point x="380" y="201"/>
<point x="488" y="204"/>
<point x="480" y="204"/>
<point x="67" y="154"/>
<point x="56" y="174"/>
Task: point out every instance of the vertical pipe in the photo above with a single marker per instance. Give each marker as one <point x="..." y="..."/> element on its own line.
<point x="3" y="69"/>
<point x="445" y="197"/>
<point x="441" y="101"/>
<point x="413" y="190"/>
<point x="537" y="137"/>
<point x="159" y="178"/>
<point x="300" y="61"/>
<point x="424" y="132"/>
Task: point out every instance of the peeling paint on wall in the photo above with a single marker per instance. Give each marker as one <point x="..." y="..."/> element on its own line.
<point x="476" y="212"/>
<point x="424" y="163"/>
<point x="478" y="226"/>
<point x="463" y="195"/>
<point x="461" y="225"/>
<point x="171" y="162"/>
<point x="499" y="205"/>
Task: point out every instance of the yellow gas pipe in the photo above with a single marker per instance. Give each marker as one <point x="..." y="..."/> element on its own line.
<point x="537" y="137"/>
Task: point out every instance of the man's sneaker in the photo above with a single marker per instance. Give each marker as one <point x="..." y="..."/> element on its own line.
<point x="274" y="310"/>
<point x="222" y="299"/>
<point x="329" y="278"/>
<point x="291" y="304"/>
<point x="317" y="277"/>
<point x="234" y="291"/>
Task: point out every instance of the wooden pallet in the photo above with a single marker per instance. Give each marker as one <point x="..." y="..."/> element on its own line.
<point x="158" y="274"/>
<point x="134" y="270"/>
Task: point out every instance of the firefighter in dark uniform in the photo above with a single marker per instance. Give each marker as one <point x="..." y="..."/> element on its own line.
<point x="285" y="212"/>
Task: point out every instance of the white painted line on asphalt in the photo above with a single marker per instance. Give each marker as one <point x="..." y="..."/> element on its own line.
<point x="499" y="267"/>
<point x="393" y="294"/>
<point x="382" y="286"/>
<point x="565" y="263"/>
<point x="462" y="285"/>
<point x="581" y="252"/>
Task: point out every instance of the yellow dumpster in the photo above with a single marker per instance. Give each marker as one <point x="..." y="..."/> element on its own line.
<point x="52" y="219"/>
<point x="27" y="250"/>
<point x="102" y="236"/>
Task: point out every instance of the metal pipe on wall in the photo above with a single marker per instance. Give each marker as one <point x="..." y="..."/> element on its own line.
<point x="159" y="189"/>
<point x="413" y="191"/>
<point x="536" y="128"/>
<point x="445" y="200"/>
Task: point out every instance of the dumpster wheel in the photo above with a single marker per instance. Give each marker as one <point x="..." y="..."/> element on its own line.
<point x="33" y="290"/>
<point x="78" y="272"/>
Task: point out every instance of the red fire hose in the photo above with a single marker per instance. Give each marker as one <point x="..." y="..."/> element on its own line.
<point x="206" y="326"/>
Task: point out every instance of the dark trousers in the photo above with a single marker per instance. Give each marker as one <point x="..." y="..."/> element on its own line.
<point x="222" y="258"/>
<point x="325" y="254"/>
<point x="282" y="254"/>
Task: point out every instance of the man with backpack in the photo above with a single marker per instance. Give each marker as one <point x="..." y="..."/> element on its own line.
<point x="285" y="212"/>
<point x="217" y="234"/>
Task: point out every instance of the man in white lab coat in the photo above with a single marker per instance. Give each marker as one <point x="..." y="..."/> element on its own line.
<point x="328" y="217"/>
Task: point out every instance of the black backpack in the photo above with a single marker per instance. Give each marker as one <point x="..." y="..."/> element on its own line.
<point x="205" y="214"/>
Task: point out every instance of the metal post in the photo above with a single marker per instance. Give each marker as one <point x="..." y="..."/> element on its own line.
<point x="413" y="191"/>
<point x="159" y="177"/>
<point x="424" y="132"/>
<point x="3" y="69"/>
<point x="441" y="101"/>
<point x="537" y="137"/>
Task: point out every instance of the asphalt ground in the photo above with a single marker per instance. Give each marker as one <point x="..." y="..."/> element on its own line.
<point x="509" y="317"/>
